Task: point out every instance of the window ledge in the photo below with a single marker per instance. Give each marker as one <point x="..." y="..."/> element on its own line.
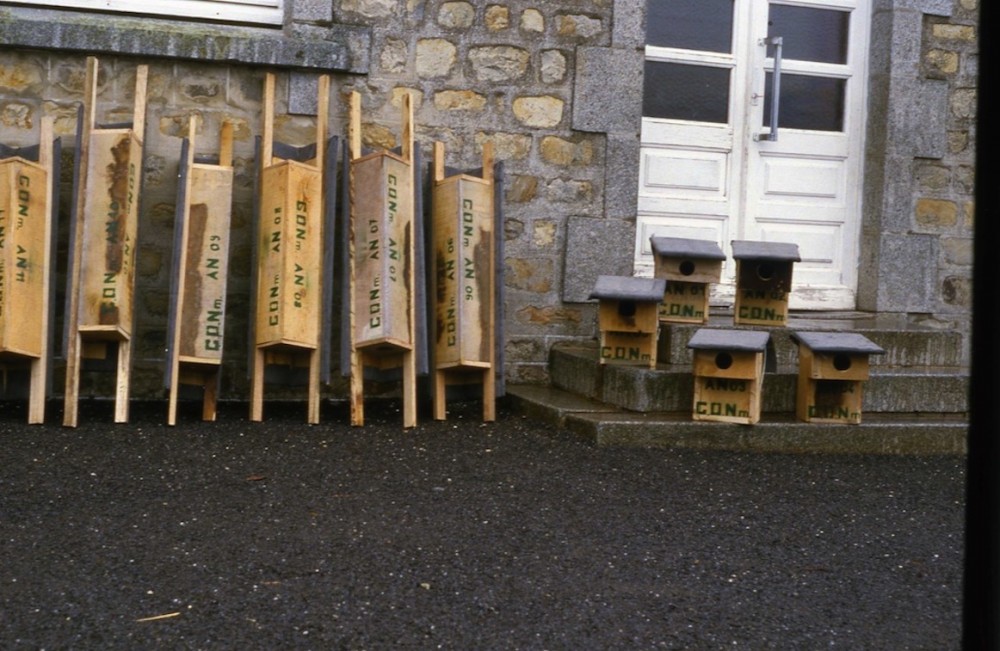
<point x="343" y="48"/>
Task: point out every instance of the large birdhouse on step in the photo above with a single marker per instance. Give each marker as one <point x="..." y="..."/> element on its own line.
<point x="763" y="281"/>
<point x="627" y="318"/>
<point x="688" y="266"/>
<point x="832" y="368"/>
<point x="728" y="374"/>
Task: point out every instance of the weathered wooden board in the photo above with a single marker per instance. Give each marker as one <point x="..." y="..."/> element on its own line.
<point x="203" y="305"/>
<point x="111" y="207"/>
<point x="382" y="197"/>
<point x="463" y="249"/>
<point x="24" y="229"/>
<point x="628" y="348"/>
<point x="289" y="287"/>
<point x="627" y="316"/>
<point x="828" y="401"/>
<point x="684" y="302"/>
<point x="727" y="400"/>
<point x="728" y="364"/>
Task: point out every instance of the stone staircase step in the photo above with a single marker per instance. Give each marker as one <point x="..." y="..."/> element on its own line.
<point x="603" y="425"/>
<point x="668" y="388"/>
<point x="906" y="347"/>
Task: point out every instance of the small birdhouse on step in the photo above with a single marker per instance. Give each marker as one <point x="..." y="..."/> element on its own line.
<point x="763" y="281"/>
<point x="832" y="369"/>
<point x="627" y="318"/>
<point x="688" y="266"/>
<point x="728" y="367"/>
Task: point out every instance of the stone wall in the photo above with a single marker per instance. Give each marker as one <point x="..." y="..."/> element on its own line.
<point x="556" y="86"/>
<point x="918" y="208"/>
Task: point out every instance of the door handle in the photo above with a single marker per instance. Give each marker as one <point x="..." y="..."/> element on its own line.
<point x="772" y="133"/>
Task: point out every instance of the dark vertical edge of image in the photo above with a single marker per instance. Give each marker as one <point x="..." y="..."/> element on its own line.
<point x="981" y="606"/>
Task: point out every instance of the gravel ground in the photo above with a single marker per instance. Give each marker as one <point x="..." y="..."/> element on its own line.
<point x="459" y="535"/>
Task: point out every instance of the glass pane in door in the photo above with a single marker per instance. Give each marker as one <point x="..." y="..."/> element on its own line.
<point x="814" y="103"/>
<point x="682" y="91"/>
<point x="705" y="25"/>
<point x="810" y="34"/>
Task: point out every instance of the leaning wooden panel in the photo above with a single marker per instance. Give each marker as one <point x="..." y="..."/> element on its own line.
<point x="289" y="297"/>
<point x="28" y="209"/>
<point x="102" y="259"/>
<point x="107" y="272"/>
<point x="381" y="263"/>
<point x="291" y="263"/>
<point x="23" y="235"/>
<point x="197" y="323"/>
<point x="463" y="276"/>
<point x="383" y="234"/>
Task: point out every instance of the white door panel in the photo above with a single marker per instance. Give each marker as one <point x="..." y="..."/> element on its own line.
<point x="709" y="171"/>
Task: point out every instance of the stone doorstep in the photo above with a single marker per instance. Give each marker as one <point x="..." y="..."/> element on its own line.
<point x="670" y="387"/>
<point x="905" y="346"/>
<point x="606" y="426"/>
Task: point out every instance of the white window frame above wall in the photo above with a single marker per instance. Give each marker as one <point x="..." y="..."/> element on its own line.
<point x="260" y="12"/>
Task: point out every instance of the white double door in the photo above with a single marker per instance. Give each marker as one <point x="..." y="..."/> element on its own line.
<point x="713" y="164"/>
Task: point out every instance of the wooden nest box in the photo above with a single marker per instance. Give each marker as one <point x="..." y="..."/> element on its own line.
<point x="728" y="372"/>
<point x="627" y="317"/>
<point x="763" y="282"/>
<point x="689" y="266"/>
<point x="832" y="369"/>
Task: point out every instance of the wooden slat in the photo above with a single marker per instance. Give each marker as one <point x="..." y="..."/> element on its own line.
<point x="73" y="343"/>
<point x="289" y="289"/>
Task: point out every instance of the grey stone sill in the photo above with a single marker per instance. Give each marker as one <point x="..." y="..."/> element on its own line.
<point x="343" y="48"/>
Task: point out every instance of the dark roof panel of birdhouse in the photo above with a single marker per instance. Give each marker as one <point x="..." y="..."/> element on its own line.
<point x="837" y="342"/>
<point x="719" y="339"/>
<point x="628" y="288"/>
<point x="744" y="250"/>
<point x="683" y="247"/>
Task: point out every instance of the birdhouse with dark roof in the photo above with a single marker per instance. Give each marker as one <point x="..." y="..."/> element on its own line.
<point x="627" y="318"/>
<point x="763" y="281"/>
<point x="688" y="266"/>
<point x="832" y="369"/>
<point x="728" y="368"/>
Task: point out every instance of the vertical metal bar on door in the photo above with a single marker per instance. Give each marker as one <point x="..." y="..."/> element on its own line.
<point x="775" y="87"/>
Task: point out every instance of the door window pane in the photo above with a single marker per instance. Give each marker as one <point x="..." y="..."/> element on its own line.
<point x="686" y="92"/>
<point x="810" y="34"/>
<point x="814" y="103"/>
<point x="705" y="25"/>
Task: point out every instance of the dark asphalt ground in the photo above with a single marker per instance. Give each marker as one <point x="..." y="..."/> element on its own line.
<point x="459" y="535"/>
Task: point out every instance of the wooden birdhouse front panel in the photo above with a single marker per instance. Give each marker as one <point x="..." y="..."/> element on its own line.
<point x="463" y="250"/>
<point x="23" y="224"/>
<point x="290" y="256"/>
<point x="382" y="198"/>
<point x="762" y="288"/>
<point x="203" y="306"/>
<point x="111" y="211"/>
<point x="726" y="400"/>
<point x="728" y="368"/>
<point x="684" y="302"/>
<point x="687" y="269"/>
<point x="628" y="348"/>
<point x="627" y="315"/>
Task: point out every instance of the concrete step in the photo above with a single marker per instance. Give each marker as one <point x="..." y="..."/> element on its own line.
<point x="605" y="425"/>
<point x="906" y="346"/>
<point x="575" y="368"/>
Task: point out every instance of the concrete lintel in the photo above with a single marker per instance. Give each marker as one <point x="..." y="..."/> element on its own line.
<point x="344" y="48"/>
